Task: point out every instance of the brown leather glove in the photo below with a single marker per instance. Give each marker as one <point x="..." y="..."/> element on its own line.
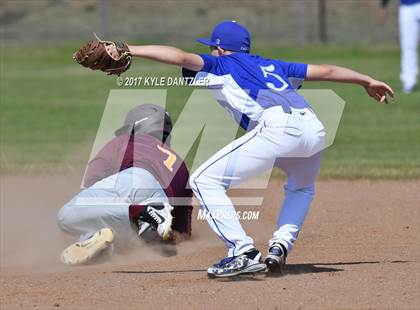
<point x="107" y="56"/>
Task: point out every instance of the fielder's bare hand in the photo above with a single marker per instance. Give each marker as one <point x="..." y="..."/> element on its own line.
<point x="379" y="91"/>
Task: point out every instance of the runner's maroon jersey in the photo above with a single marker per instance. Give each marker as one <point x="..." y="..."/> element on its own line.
<point x="142" y="151"/>
<point x="147" y="152"/>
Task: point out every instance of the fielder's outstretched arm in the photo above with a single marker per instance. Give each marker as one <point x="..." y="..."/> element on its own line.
<point x="168" y="55"/>
<point x="175" y="56"/>
<point x="376" y="89"/>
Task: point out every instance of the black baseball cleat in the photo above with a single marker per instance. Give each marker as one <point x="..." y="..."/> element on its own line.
<point x="156" y="215"/>
<point x="276" y="258"/>
<point x="249" y="262"/>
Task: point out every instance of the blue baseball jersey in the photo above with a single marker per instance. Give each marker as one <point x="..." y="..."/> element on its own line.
<point x="409" y="2"/>
<point x="402" y="2"/>
<point x="247" y="84"/>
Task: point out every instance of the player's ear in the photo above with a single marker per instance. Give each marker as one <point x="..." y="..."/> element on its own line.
<point x="220" y="51"/>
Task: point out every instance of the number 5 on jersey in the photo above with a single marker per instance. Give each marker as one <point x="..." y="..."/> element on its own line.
<point x="268" y="71"/>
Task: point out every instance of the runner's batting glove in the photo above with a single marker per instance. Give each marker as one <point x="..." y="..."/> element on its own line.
<point x="107" y="56"/>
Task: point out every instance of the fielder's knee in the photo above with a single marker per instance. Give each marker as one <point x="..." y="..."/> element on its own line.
<point x="200" y="180"/>
<point x="194" y="179"/>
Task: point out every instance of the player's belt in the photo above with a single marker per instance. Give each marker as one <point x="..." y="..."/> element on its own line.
<point x="302" y="112"/>
<point x="272" y="114"/>
<point x="280" y="109"/>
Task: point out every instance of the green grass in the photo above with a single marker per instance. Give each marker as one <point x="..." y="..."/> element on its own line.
<point x="51" y="109"/>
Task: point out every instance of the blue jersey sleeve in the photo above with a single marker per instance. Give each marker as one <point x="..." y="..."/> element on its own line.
<point x="212" y="64"/>
<point x="294" y="69"/>
<point x="297" y="70"/>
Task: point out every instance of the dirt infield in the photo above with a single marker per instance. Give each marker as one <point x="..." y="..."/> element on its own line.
<point x="359" y="249"/>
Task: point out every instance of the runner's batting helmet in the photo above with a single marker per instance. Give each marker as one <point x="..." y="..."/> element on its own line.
<point x="147" y="119"/>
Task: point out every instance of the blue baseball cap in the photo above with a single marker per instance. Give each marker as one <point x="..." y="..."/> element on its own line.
<point x="229" y="35"/>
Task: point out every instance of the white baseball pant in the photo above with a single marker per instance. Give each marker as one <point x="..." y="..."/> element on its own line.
<point x="409" y="20"/>
<point x="106" y="203"/>
<point x="294" y="143"/>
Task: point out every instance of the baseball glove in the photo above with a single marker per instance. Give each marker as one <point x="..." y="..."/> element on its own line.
<point x="107" y="56"/>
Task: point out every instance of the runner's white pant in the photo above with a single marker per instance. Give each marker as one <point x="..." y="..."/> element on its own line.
<point x="409" y="19"/>
<point x="292" y="142"/>
<point x="105" y="203"/>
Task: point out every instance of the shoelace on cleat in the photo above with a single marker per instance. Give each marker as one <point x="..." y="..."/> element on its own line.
<point x="223" y="262"/>
<point x="154" y="216"/>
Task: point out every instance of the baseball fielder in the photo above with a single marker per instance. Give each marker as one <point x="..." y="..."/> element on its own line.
<point x="409" y="20"/>
<point x="282" y="129"/>
<point x="133" y="182"/>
